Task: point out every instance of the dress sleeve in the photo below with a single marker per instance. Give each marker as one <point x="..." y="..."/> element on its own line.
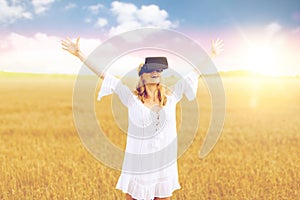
<point x="112" y="85"/>
<point x="187" y="86"/>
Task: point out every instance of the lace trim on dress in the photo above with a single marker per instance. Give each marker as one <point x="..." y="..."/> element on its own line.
<point x="139" y="189"/>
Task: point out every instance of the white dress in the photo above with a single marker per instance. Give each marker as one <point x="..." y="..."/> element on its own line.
<point x="150" y="162"/>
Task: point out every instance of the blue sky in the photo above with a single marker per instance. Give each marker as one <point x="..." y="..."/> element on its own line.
<point x="243" y="25"/>
<point x="65" y="17"/>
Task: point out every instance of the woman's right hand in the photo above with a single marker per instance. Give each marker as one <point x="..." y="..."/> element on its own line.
<point x="216" y="47"/>
<point x="71" y="47"/>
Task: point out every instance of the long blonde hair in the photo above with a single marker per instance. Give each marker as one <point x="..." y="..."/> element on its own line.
<point x="141" y="92"/>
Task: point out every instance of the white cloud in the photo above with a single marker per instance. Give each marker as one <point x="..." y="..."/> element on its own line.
<point x="40" y="53"/>
<point x="70" y="6"/>
<point x="101" y="22"/>
<point x="12" y="10"/>
<point x="124" y="11"/>
<point x="10" y="13"/>
<point x="273" y="28"/>
<point x="130" y="17"/>
<point x="94" y="9"/>
<point x="41" y="6"/>
<point x="152" y="15"/>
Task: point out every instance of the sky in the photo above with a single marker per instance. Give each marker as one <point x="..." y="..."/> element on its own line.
<point x="261" y="36"/>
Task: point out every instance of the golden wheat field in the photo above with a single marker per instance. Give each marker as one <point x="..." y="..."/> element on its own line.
<point x="257" y="156"/>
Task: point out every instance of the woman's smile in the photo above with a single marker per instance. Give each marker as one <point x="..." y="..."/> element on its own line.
<point x="154" y="76"/>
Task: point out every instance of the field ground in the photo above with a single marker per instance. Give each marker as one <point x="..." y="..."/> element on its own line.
<point x="257" y="156"/>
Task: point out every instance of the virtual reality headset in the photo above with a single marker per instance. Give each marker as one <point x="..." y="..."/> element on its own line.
<point x="154" y="64"/>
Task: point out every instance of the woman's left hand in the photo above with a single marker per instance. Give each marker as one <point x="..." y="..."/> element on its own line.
<point x="72" y="47"/>
<point x="216" y="47"/>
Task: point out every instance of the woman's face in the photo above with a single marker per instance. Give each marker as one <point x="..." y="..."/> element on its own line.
<point x="152" y="77"/>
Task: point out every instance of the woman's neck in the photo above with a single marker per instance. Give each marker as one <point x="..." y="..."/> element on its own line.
<point x="150" y="89"/>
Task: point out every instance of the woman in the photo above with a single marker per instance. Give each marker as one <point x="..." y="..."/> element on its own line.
<point x="149" y="169"/>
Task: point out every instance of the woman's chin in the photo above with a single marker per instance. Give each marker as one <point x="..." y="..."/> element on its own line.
<point x="153" y="81"/>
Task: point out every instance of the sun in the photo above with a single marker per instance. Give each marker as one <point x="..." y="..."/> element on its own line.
<point x="263" y="59"/>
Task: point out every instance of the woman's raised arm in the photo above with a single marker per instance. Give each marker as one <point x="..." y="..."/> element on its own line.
<point x="216" y="48"/>
<point x="74" y="49"/>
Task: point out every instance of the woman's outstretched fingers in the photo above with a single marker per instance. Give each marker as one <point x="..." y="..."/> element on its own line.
<point x="70" y="46"/>
<point x="64" y="45"/>
<point x="217" y="47"/>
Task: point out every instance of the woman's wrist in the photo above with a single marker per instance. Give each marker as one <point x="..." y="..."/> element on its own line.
<point x="80" y="55"/>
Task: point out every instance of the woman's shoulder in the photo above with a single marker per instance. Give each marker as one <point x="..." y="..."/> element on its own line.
<point x="169" y="90"/>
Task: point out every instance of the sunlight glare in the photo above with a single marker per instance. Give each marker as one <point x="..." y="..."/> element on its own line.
<point x="263" y="59"/>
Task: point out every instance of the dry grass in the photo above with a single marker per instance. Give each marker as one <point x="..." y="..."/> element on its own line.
<point x="257" y="156"/>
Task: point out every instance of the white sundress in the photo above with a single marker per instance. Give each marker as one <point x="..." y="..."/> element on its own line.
<point x="150" y="162"/>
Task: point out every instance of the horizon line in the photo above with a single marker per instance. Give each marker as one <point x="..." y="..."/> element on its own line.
<point x="235" y="72"/>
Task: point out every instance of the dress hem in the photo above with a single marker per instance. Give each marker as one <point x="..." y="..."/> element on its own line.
<point x="158" y="196"/>
<point x="148" y="192"/>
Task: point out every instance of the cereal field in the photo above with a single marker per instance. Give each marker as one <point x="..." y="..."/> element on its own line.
<point x="257" y="156"/>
